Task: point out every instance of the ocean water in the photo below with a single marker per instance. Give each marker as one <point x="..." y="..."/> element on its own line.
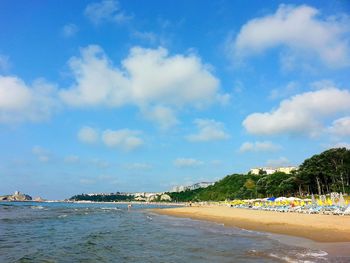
<point x="66" y="232"/>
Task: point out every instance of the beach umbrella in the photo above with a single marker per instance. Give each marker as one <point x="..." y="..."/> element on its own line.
<point x="282" y="198"/>
<point x="272" y="199"/>
<point x="341" y="200"/>
<point x="313" y="200"/>
<point x="347" y="211"/>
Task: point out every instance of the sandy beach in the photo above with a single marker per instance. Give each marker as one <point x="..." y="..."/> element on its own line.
<point x="320" y="228"/>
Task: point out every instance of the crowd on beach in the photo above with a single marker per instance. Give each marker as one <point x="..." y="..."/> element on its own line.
<point x="334" y="204"/>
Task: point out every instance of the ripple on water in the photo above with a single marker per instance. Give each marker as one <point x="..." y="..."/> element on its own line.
<point x="109" y="233"/>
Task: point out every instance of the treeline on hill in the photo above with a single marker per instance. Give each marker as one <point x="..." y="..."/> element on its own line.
<point x="321" y="174"/>
<point x="102" y="198"/>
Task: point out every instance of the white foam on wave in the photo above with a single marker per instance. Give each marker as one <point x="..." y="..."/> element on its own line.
<point x="62" y="216"/>
<point x="110" y="208"/>
<point x="37" y="207"/>
<point x="316" y="254"/>
<point x="287" y="259"/>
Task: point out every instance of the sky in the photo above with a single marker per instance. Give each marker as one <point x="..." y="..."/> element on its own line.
<point x="132" y="96"/>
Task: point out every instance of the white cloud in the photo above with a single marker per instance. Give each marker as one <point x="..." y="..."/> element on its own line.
<point x="41" y="153"/>
<point x="149" y="37"/>
<point x="151" y="79"/>
<point x="341" y="127"/>
<point x="322" y="84"/>
<point x="301" y="30"/>
<point x="283" y="92"/>
<point x="69" y="30"/>
<point x="264" y="146"/>
<point x="174" y="80"/>
<point x="97" y="81"/>
<point x="164" y="116"/>
<point x="124" y="139"/>
<point x="341" y="145"/>
<point x="208" y="130"/>
<point x="187" y="162"/>
<point x="300" y="114"/>
<point x="282" y="161"/>
<point x="20" y="102"/>
<point x="88" y="135"/>
<point x="336" y="144"/>
<point x="106" y="11"/>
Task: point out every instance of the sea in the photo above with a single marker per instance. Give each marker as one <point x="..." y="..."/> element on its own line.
<point x="108" y="232"/>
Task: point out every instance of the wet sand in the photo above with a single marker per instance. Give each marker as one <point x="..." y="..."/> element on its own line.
<point x="319" y="228"/>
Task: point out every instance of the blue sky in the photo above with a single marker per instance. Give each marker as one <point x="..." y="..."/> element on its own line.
<point x="106" y="96"/>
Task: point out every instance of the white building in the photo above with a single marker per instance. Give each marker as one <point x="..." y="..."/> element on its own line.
<point x="271" y="170"/>
<point x="195" y="186"/>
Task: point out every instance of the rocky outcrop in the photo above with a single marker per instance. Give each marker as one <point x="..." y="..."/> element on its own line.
<point x="17" y="196"/>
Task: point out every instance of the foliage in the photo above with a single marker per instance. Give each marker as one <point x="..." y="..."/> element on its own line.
<point x="185" y="196"/>
<point x="102" y="197"/>
<point x="326" y="172"/>
<point x="321" y="174"/>
<point x="230" y="187"/>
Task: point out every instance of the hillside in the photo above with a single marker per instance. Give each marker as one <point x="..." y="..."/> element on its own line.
<point x="320" y="174"/>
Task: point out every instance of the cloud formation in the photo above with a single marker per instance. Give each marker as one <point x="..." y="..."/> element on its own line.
<point x="208" y="130"/>
<point x="301" y="30"/>
<point x="151" y="79"/>
<point x="88" y="135"/>
<point x="21" y="102"/>
<point x="341" y="127"/>
<point x="157" y="83"/>
<point x="164" y="116"/>
<point x="264" y="146"/>
<point x="42" y="154"/>
<point x="301" y="114"/>
<point x="106" y="11"/>
<point x="124" y="139"/>
<point x="341" y="145"/>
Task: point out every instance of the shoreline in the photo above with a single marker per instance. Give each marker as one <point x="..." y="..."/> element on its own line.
<point x="318" y="228"/>
<point x="97" y="202"/>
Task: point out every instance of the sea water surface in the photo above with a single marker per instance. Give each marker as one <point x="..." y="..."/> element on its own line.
<point x="95" y="232"/>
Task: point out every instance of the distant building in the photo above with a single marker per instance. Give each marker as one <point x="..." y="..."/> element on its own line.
<point x="287" y="169"/>
<point x="270" y="170"/>
<point x="195" y="186"/>
<point x="179" y="188"/>
<point x="200" y="185"/>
